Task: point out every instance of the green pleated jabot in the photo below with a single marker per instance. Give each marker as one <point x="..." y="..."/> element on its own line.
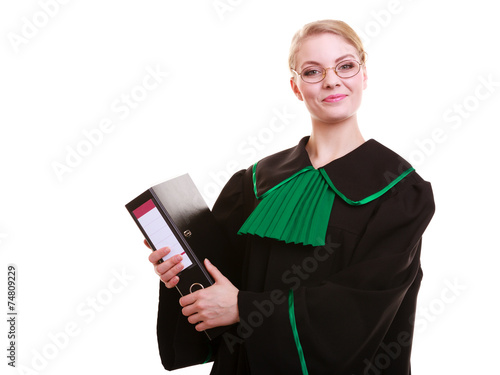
<point x="297" y="210"/>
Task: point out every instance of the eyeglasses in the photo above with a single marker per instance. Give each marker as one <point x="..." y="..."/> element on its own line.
<point x="344" y="69"/>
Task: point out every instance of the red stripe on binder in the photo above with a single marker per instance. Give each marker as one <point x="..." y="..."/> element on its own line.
<point x="144" y="208"/>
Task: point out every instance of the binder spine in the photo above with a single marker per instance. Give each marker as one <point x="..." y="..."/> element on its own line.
<point x="180" y="237"/>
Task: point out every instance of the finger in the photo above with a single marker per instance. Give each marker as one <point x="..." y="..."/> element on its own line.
<point x="155" y="256"/>
<point x="202" y="326"/>
<point x="189" y="299"/>
<point x="166" y="274"/>
<point x="214" y="272"/>
<point x="189" y="310"/>
<point x="147" y="244"/>
<point x="195" y="319"/>
<point x="168" y="263"/>
<point x="172" y="282"/>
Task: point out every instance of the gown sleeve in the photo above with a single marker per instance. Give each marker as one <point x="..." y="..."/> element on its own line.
<point x="180" y="345"/>
<point x="340" y="324"/>
<point x="230" y="212"/>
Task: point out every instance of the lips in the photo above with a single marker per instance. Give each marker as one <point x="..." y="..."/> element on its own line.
<point x="334" y="98"/>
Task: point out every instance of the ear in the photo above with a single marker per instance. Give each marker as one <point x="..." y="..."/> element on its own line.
<point x="365" y="77"/>
<point x="295" y="89"/>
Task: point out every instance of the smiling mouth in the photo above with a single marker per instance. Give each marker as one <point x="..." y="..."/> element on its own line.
<point x="334" y="98"/>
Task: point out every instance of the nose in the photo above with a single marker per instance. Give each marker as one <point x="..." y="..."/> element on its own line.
<point x="331" y="78"/>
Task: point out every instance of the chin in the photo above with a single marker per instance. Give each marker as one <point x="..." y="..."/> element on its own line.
<point x="334" y="119"/>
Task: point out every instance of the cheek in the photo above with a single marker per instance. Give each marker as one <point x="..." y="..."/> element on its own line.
<point x="309" y="92"/>
<point x="357" y="89"/>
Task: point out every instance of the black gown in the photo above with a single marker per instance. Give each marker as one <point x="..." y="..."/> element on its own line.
<point x="344" y="305"/>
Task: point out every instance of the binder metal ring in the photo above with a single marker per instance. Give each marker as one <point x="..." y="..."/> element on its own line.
<point x="195" y="284"/>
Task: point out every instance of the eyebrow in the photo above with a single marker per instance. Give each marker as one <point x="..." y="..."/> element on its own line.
<point x="336" y="61"/>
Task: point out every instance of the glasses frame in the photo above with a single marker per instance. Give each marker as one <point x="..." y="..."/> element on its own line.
<point x="326" y="69"/>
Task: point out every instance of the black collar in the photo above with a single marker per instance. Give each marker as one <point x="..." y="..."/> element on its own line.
<point x="364" y="171"/>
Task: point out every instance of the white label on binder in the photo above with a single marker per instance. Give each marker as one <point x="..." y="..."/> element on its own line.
<point x="158" y="231"/>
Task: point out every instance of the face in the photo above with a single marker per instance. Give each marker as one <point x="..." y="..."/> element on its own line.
<point x="334" y="99"/>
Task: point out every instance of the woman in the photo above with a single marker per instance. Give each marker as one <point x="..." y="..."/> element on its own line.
<point x="324" y="268"/>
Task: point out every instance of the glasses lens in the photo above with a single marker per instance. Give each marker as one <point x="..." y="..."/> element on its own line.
<point x="347" y="68"/>
<point x="312" y="74"/>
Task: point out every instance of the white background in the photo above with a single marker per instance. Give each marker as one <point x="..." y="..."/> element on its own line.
<point x="227" y="78"/>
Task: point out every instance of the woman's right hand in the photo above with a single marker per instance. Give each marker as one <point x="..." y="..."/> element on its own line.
<point x="168" y="269"/>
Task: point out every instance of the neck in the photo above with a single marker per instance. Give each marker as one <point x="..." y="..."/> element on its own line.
<point x="332" y="141"/>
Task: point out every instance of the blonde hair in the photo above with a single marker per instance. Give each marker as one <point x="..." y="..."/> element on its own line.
<point x="325" y="26"/>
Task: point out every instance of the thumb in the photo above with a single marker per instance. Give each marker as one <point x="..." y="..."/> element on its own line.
<point x="214" y="272"/>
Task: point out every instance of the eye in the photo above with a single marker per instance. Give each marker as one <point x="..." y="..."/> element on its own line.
<point x="312" y="71"/>
<point x="346" y="66"/>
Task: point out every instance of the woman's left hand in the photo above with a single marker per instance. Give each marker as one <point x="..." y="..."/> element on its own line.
<point x="214" y="306"/>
